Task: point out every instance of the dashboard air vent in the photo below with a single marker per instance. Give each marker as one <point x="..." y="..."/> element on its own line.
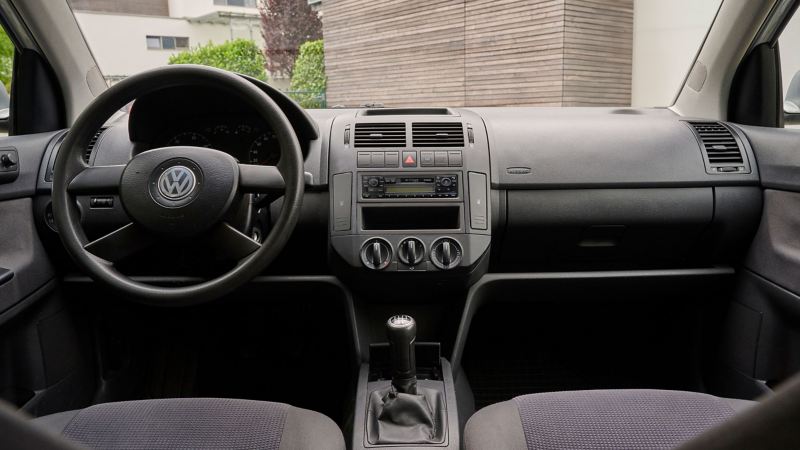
<point x="380" y="135"/>
<point x="438" y="134"/>
<point x="87" y="155"/>
<point x="721" y="149"/>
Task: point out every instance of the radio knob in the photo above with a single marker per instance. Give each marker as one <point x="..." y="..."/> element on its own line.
<point x="411" y="251"/>
<point x="376" y="254"/>
<point x="446" y="253"/>
<point x="373" y="182"/>
<point x="446" y="182"/>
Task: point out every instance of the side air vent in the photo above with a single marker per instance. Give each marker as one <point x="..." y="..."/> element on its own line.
<point x="720" y="148"/>
<point x="380" y="135"/>
<point x="441" y="134"/>
<point x="87" y="155"/>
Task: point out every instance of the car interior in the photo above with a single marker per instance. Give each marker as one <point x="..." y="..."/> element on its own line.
<point x="190" y="259"/>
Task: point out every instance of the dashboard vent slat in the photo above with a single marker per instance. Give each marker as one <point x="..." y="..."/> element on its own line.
<point x="87" y="155"/>
<point x="720" y="147"/>
<point x="386" y="135"/>
<point x="437" y="134"/>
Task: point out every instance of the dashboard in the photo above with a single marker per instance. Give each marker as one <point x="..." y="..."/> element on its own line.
<point x="459" y="190"/>
<point x="246" y="138"/>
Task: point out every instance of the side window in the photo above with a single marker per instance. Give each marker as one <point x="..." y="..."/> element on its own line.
<point x="6" y="69"/>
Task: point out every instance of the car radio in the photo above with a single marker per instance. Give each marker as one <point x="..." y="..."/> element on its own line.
<point x="422" y="186"/>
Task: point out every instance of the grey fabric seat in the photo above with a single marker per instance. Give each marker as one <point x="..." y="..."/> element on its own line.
<point x="195" y="423"/>
<point x="602" y="419"/>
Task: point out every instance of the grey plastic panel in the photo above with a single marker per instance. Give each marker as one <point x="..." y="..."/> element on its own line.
<point x="610" y="206"/>
<point x="775" y="251"/>
<point x="777" y="151"/>
<point x="21" y="252"/>
<point x="342" y="200"/>
<point x="30" y="149"/>
<point x="555" y="148"/>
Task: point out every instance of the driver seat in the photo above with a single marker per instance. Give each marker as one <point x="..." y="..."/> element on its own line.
<point x="195" y="423"/>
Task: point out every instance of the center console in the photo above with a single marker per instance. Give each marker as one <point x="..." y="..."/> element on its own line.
<point x="405" y="394"/>
<point x="409" y="190"/>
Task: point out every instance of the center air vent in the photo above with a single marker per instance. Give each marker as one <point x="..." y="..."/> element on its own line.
<point x="441" y="134"/>
<point x="720" y="148"/>
<point x="380" y="135"/>
<point x="92" y="143"/>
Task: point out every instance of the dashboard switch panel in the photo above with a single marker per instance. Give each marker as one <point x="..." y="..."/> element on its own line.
<point x="477" y="201"/>
<point x="342" y="200"/>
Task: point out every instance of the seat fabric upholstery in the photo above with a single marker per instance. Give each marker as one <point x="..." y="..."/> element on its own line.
<point x="602" y="419"/>
<point x="195" y="423"/>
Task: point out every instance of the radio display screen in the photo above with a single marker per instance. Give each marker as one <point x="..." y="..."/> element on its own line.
<point x="408" y="188"/>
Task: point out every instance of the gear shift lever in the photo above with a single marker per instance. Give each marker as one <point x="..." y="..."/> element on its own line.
<point x="402" y="332"/>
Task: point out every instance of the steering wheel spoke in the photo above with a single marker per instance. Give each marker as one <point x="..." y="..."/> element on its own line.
<point x="228" y="242"/>
<point x="97" y="180"/>
<point x="261" y="179"/>
<point x="121" y="243"/>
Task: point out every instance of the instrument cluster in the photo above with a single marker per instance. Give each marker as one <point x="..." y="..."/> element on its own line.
<point x="247" y="139"/>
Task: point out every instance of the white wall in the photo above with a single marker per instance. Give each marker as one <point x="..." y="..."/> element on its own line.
<point x="666" y="37"/>
<point x="197" y="8"/>
<point x="119" y="45"/>
<point x="789" y="44"/>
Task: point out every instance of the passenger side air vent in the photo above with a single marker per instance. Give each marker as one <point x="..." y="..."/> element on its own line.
<point x="438" y="134"/>
<point x="721" y="150"/>
<point x="87" y="155"/>
<point x="380" y="135"/>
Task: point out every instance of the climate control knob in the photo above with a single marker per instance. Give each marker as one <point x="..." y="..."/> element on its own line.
<point x="411" y="251"/>
<point x="376" y="254"/>
<point x="446" y="253"/>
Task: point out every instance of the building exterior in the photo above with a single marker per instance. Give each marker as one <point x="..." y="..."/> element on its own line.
<point x="510" y="52"/>
<point x="127" y="37"/>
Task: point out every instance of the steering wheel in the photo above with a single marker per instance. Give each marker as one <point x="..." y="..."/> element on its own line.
<point x="175" y="193"/>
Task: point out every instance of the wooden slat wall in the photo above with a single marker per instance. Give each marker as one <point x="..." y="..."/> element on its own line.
<point x="598" y="47"/>
<point x="143" y="7"/>
<point x="478" y="52"/>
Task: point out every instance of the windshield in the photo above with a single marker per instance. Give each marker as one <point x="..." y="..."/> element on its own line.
<point x="342" y="53"/>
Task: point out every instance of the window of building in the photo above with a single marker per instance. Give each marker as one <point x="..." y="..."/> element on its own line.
<point x="167" y="42"/>
<point x="243" y="3"/>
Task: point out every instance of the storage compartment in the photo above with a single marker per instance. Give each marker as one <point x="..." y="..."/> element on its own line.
<point x="438" y="217"/>
<point x="606" y="229"/>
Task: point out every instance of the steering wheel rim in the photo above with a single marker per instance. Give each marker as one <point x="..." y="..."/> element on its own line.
<point x="72" y="176"/>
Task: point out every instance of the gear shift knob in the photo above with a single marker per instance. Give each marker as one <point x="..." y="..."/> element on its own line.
<point x="402" y="332"/>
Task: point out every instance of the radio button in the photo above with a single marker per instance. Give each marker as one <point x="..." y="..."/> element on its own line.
<point x="377" y="159"/>
<point x="440" y="159"/>
<point x="426" y="159"/>
<point x="364" y="159"/>
<point x="392" y="159"/>
<point x="455" y="159"/>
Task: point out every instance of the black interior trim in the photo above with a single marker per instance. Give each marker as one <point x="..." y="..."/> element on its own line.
<point x="37" y="105"/>
<point x="756" y="96"/>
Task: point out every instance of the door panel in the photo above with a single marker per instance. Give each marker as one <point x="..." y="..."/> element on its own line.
<point x="764" y="321"/>
<point x="21" y="251"/>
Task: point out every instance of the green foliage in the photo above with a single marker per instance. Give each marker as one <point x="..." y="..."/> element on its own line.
<point x="308" y="76"/>
<point x="6" y="59"/>
<point x="240" y="55"/>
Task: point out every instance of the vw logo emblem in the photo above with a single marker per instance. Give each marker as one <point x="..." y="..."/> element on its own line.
<point x="176" y="183"/>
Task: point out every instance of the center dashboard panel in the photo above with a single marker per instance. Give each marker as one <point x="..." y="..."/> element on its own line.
<point x="409" y="190"/>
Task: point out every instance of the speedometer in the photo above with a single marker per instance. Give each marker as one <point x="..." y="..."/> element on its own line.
<point x="189" y="138"/>
<point x="265" y="150"/>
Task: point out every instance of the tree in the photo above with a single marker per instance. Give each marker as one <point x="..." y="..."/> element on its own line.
<point x="285" y="26"/>
<point x="240" y="55"/>
<point x="308" y="77"/>
<point x="6" y="59"/>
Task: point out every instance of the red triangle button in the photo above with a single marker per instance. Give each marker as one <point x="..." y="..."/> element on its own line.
<point x="409" y="159"/>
